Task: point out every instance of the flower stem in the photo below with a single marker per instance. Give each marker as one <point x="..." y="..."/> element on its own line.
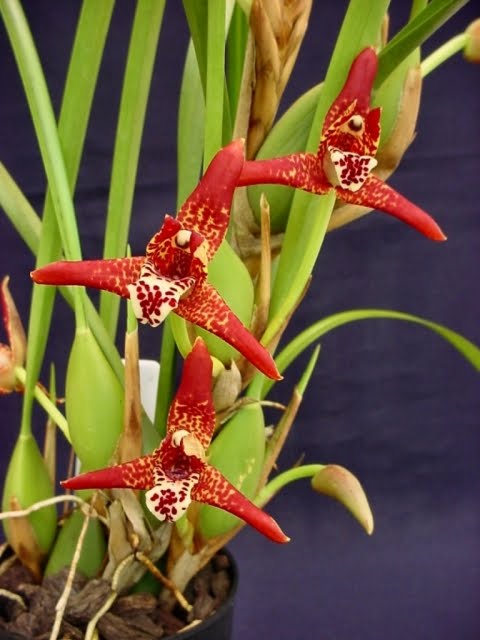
<point x="443" y="53"/>
<point x="274" y="486"/>
<point x="45" y="402"/>
<point x="166" y="379"/>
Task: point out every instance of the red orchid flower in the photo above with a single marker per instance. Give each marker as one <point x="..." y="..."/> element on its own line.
<point x="11" y="355"/>
<point x="345" y="156"/>
<point x="177" y="472"/>
<point x="172" y="276"/>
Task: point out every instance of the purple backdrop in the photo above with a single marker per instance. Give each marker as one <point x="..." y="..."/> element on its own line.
<point x="391" y="401"/>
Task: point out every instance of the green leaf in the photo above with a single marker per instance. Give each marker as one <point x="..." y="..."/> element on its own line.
<point x="19" y="210"/>
<point x="191" y="127"/>
<point x="466" y="348"/>
<point x="133" y="106"/>
<point x="302" y="384"/>
<point x="215" y="80"/>
<point x="76" y="104"/>
<point x="44" y="122"/>
<point x="196" y="12"/>
<point x="235" y="55"/>
<point x="419" y="29"/>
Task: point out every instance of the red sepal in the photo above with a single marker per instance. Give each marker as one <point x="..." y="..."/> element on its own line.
<point x="207" y="309"/>
<point x="110" y="275"/>
<point x="214" y="489"/>
<point x="192" y="408"/>
<point x="207" y="209"/>
<point x="376" y="194"/>
<point x="136" y="474"/>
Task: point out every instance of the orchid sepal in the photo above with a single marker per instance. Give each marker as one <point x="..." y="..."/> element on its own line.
<point x="207" y="309"/>
<point x="376" y="194"/>
<point x="114" y="274"/>
<point x="215" y="490"/>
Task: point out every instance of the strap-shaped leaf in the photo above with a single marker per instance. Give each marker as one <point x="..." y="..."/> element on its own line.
<point x="435" y="14"/>
<point x="466" y="348"/>
<point x="135" y="93"/>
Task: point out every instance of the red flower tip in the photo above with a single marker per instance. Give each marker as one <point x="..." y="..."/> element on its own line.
<point x="111" y="275"/>
<point x="196" y="383"/>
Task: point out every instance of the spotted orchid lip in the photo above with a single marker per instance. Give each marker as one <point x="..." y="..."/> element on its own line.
<point x="345" y="156"/>
<point x="190" y="426"/>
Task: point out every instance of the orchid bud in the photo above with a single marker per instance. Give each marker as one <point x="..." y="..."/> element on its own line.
<point x="471" y="51"/>
<point x="227" y="387"/>
<point x="339" y="483"/>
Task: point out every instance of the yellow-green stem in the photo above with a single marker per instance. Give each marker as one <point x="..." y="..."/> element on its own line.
<point x="275" y="485"/>
<point x="443" y="53"/>
<point x="45" y="402"/>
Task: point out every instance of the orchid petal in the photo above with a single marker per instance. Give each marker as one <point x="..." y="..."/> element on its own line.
<point x="110" y="275"/>
<point x="207" y="309"/>
<point x="375" y="194"/>
<point x="192" y="408"/>
<point x="214" y="489"/>
<point x="176" y="251"/>
<point x="207" y="209"/>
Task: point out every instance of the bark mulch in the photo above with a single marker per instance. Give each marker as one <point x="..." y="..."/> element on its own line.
<point x="28" y="609"/>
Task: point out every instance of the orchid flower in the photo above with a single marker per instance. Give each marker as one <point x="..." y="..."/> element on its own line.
<point x="177" y="471"/>
<point x="172" y="276"/>
<point x="345" y="156"/>
<point x="11" y="355"/>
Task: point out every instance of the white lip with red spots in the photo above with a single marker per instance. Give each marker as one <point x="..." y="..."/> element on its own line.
<point x="153" y="297"/>
<point x="169" y="499"/>
<point x="348" y="170"/>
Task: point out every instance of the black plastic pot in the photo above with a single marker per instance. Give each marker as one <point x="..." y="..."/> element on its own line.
<point x="219" y="625"/>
